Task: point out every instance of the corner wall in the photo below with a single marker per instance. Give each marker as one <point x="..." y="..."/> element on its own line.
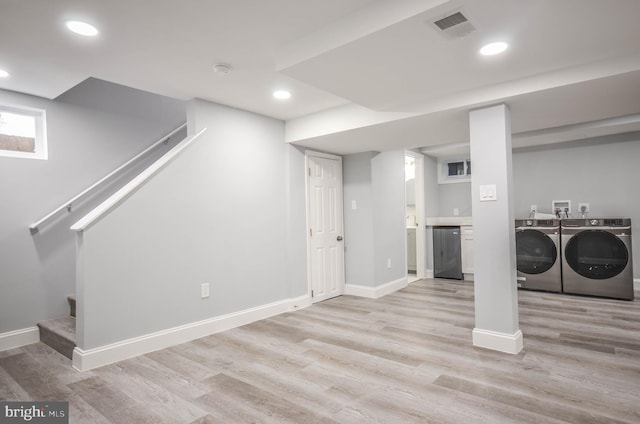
<point x="375" y="233"/>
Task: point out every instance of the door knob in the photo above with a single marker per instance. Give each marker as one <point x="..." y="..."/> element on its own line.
<point x="339" y="238"/>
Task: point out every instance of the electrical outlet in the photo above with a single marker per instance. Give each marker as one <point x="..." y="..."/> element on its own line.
<point x="583" y="208"/>
<point x="456" y="211"/>
<point x="389" y="263"/>
<point x="204" y="290"/>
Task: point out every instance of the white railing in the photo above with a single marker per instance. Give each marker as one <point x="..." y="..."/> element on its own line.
<point x="135" y="184"/>
<point x="68" y="205"/>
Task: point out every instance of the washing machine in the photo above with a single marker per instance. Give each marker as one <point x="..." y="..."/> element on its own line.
<point x="596" y="257"/>
<point x="538" y="254"/>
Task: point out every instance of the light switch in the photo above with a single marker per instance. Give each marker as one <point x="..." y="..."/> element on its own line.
<point x="488" y="193"/>
<point x="354" y="205"/>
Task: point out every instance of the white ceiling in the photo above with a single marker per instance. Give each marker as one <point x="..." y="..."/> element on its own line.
<point x="365" y="74"/>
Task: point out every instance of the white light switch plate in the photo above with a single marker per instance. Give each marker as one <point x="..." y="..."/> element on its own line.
<point x="488" y="193"/>
<point x="205" y="290"/>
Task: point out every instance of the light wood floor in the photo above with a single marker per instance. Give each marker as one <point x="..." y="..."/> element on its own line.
<point x="404" y="358"/>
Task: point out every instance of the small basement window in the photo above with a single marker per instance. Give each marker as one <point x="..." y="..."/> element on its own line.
<point x="23" y="133"/>
<point x="454" y="170"/>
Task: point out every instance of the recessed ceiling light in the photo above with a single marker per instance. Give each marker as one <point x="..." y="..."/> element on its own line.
<point x="282" y="94"/>
<point x="82" y="28"/>
<point x="4" y="74"/>
<point x="493" y="48"/>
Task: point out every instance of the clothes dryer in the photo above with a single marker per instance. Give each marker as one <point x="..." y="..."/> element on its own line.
<point x="596" y="257"/>
<point x="538" y="254"/>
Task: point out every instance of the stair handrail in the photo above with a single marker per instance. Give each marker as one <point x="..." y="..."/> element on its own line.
<point x="68" y="205"/>
<point x="127" y="190"/>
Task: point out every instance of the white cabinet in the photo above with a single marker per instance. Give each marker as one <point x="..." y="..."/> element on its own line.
<point x="411" y="250"/>
<point x="466" y="241"/>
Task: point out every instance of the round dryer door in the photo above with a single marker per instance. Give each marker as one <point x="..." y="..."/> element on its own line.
<point x="535" y="252"/>
<point x="596" y="254"/>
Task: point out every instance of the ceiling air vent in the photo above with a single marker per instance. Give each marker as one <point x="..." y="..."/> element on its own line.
<point x="454" y="25"/>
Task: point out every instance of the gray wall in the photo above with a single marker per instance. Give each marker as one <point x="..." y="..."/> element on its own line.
<point x="454" y="195"/>
<point x="376" y="231"/>
<point x="389" y="218"/>
<point x="85" y="142"/>
<point x="358" y="223"/>
<point x="441" y="199"/>
<point x="218" y="214"/>
<point x="296" y="221"/>
<point x="603" y="172"/>
<point x="432" y="203"/>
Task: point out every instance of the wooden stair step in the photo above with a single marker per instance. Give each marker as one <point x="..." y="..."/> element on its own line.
<point x="59" y="334"/>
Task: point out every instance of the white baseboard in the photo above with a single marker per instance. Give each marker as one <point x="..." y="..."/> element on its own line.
<point x="636" y="283"/>
<point x="300" y="302"/>
<point x="467" y="277"/>
<point x="18" y="338"/>
<point x="428" y="273"/>
<point x="84" y="360"/>
<point x="375" y="292"/>
<point x="502" y="342"/>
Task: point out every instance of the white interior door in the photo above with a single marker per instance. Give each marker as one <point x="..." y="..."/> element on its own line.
<point x="325" y="232"/>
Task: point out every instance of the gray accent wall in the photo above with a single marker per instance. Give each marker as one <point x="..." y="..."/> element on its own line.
<point x="375" y="232"/>
<point x="225" y="212"/>
<point x="86" y="141"/>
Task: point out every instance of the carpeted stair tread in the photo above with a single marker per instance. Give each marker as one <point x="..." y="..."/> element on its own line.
<point x="60" y="334"/>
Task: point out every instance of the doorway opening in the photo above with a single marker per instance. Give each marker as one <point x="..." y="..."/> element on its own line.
<point x="414" y="208"/>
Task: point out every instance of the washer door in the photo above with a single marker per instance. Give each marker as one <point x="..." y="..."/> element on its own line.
<point x="596" y="254"/>
<point x="535" y="252"/>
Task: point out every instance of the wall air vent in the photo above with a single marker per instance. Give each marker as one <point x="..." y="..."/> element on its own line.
<point x="453" y="25"/>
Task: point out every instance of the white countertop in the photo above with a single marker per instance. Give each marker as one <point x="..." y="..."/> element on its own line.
<point x="453" y="221"/>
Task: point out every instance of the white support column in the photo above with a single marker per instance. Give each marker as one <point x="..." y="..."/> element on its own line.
<point x="496" y="293"/>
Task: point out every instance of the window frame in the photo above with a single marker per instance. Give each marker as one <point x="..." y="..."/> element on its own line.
<point x="41" y="150"/>
<point x="443" y="170"/>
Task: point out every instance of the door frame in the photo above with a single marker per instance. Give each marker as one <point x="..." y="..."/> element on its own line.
<point x="421" y="229"/>
<point x="309" y="154"/>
